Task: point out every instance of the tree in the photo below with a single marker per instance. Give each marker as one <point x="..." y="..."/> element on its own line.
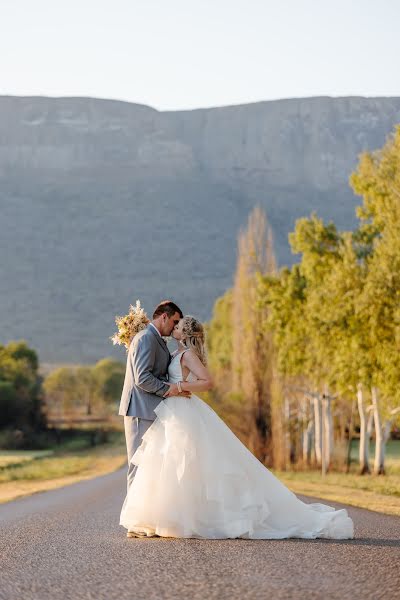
<point x="219" y="343"/>
<point x="60" y="390"/>
<point x="9" y="409"/>
<point x="312" y="318"/>
<point x="227" y="403"/>
<point x="252" y="349"/>
<point x="21" y="396"/>
<point x="319" y="245"/>
<point x="377" y="180"/>
<point x="108" y="375"/>
<point x="283" y="295"/>
<point x="85" y="390"/>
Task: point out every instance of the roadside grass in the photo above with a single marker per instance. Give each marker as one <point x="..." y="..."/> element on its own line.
<point x="380" y="493"/>
<point x="26" y="472"/>
<point x="23" y="473"/>
<point x="13" y="458"/>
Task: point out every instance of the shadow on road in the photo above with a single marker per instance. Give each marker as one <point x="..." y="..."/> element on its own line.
<point x="355" y="542"/>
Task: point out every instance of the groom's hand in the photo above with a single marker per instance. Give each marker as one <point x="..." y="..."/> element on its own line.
<point x="173" y="391"/>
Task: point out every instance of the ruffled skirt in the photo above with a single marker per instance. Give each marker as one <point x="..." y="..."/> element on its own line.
<point x="195" y="479"/>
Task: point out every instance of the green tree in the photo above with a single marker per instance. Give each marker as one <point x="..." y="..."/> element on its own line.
<point x="60" y="390"/>
<point x="219" y="343"/>
<point x="108" y="375"/>
<point x="21" y="395"/>
<point x="377" y="180"/>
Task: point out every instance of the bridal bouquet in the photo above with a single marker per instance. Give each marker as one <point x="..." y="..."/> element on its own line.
<point x="129" y="325"/>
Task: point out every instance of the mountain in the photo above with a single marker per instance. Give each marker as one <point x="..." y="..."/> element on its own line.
<point x="103" y="202"/>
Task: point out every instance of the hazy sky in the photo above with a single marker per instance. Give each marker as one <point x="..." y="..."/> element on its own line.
<point x="174" y="54"/>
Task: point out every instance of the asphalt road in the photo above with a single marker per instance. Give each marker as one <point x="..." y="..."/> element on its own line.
<point x="67" y="544"/>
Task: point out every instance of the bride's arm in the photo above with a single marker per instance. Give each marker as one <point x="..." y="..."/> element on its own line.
<point x="204" y="382"/>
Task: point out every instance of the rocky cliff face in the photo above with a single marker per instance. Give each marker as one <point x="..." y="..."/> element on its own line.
<point x="104" y="202"/>
<point x="312" y="141"/>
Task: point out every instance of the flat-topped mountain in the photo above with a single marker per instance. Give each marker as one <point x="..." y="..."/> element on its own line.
<point x="104" y="202"/>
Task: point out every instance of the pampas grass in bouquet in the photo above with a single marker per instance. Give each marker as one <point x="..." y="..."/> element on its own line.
<point x="129" y="325"/>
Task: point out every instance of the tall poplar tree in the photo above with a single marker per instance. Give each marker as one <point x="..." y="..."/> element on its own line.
<point x="252" y="360"/>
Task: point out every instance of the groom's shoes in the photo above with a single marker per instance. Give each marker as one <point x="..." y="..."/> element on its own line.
<point x="140" y="534"/>
<point x="136" y="534"/>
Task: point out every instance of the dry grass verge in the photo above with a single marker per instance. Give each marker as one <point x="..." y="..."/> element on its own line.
<point x="46" y="473"/>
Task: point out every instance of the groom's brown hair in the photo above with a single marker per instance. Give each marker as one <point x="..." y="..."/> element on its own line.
<point x="169" y="307"/>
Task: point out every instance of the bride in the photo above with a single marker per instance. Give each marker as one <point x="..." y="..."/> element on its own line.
<point x="195" y="479"/>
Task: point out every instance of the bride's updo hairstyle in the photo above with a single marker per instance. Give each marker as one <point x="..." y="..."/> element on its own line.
<point x="193" y="337"/>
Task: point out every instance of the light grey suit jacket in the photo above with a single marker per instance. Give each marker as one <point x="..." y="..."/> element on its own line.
<point x="145" y="375"/>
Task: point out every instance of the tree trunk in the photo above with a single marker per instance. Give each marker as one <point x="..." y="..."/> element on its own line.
<point x="386" y="435"/>
<point x="351" y="435"/>
<point x="387" y="430"/>
<point x="286" y="415"/>
<point x="307" y="439"/>
<point x="318" y="429"/>
<point x="364" y="434"/>
<point x="88" y="405"/>
<point x="379" y="463"/>
<point x="328" y="432"/>
<point x="370" y="424"/>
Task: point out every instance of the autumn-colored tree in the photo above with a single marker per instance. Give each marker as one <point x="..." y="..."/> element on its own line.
<point x="252" y="358"/>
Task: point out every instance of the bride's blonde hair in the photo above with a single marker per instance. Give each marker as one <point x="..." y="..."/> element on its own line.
<point x="193" y="336"/>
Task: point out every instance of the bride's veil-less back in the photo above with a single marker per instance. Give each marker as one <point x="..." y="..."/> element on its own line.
<point x="196" y="479"/>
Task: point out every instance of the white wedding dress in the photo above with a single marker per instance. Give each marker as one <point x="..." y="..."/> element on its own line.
<point x="195" y="479"/>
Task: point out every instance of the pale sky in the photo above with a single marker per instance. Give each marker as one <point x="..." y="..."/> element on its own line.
<point x="179" y="54"/>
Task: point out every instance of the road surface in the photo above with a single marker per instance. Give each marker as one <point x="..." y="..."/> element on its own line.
<point x="67" y="544"/>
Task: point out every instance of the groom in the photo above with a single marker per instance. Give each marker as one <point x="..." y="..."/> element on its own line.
<point x="146" y="382"/>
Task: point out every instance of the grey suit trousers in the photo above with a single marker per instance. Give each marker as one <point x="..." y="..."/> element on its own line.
<point x="135" y="428"/>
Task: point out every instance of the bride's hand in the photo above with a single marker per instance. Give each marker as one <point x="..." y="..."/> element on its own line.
<point x="174" y="391"/>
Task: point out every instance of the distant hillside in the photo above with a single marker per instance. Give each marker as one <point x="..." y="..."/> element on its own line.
<point x="104" y="202"/>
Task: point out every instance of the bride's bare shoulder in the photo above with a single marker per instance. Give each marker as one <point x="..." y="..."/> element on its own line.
<point x="188" y="354"/>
